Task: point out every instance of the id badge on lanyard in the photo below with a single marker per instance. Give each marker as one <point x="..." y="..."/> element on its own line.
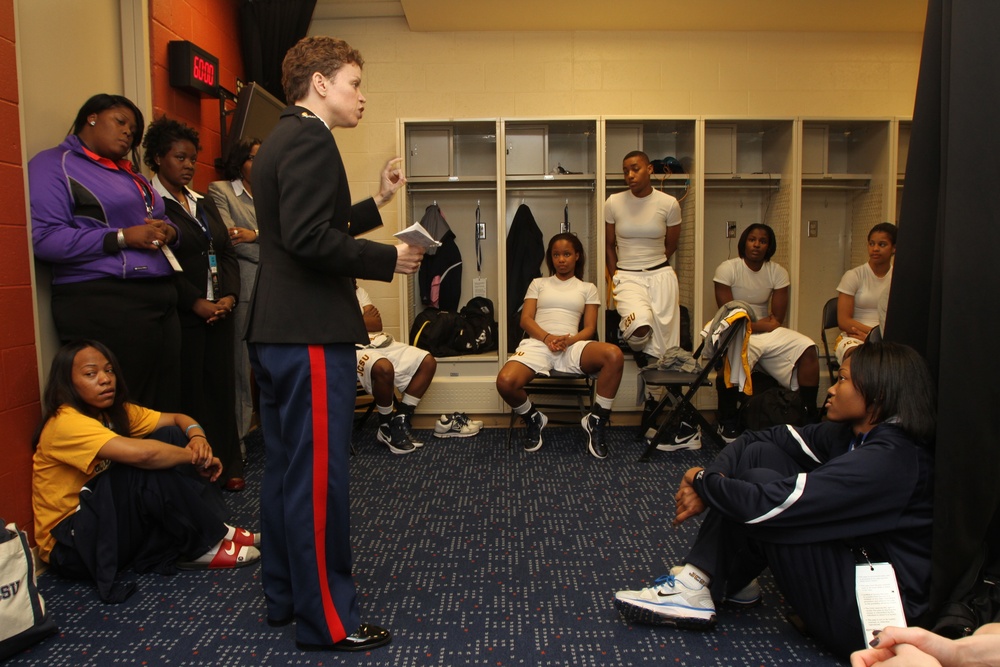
<point x="212" y="289"/>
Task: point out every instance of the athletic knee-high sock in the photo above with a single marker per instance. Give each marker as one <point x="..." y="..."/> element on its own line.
<point x="809" y="395"/>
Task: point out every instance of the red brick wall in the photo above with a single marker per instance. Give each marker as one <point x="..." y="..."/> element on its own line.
<point x="19" y="396"/>
<point x="212" y="25"/>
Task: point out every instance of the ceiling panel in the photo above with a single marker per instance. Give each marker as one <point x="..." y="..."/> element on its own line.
<point x="550" y="15"/>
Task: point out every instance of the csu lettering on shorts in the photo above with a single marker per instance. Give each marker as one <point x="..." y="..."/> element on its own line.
<point x="8" y="591"/>
<point x="628" y="320"/>
<point x="361" y="363"/>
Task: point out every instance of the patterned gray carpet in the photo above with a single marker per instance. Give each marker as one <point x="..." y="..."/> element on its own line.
<point x="470" y="553"/>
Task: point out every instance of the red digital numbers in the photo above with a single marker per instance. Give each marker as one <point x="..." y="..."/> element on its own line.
<point x="203" y="71"/>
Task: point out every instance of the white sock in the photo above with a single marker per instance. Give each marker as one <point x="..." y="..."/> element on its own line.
<point x="604" y="402"/>
<point x="691" y="574"/>
<point x="524" y="408"/>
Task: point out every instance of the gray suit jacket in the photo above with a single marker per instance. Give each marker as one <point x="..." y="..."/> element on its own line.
<point x="308" y="253"/>
<point x="237" y="211"/>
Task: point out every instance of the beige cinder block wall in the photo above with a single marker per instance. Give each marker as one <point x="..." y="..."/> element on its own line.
<point x="530" y="74"/>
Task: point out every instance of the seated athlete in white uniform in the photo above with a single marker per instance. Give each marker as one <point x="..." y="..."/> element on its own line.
<point x="861" y="289"/>
<point x="394" y="365"/>
<point x="787" y="356"/>
<point x="553" y="308"/>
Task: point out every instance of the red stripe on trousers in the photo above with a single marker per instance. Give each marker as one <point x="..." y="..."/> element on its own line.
<point x="320" y="484"/>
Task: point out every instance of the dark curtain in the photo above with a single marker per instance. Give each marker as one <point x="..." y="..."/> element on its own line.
<point x="941" y="301"/>
<point x="268" y="28"/>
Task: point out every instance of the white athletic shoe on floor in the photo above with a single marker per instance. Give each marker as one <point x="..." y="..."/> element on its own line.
<point x="687" y="437"/>
<point x="456" y="425"/>
<point x="669" y="601"/>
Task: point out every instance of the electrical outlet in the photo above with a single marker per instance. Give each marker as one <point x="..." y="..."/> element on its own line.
<point x="812" y="230"/>
<point x="731" y="229"/>
<point x="481" y="230"/>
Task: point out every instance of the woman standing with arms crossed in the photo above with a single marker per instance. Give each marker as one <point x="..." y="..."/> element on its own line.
<point x="99" y="225"/>
<point x="303" y="325"/>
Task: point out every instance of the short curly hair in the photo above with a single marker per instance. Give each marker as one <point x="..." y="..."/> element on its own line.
<point x="161" y="135"/>
<point x="319" y="53"/>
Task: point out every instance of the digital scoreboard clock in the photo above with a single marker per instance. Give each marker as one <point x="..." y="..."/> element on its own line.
<point x="193" y="68"/>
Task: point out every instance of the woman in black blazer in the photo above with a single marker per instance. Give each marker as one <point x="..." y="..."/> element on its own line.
<point x="207" y="290"/>
<point x="303" y="324"/>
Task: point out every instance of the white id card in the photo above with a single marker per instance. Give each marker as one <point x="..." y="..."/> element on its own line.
<point x="169" y="254"/>
<point x="479" y="287"/>
<point x="878" y="597"/>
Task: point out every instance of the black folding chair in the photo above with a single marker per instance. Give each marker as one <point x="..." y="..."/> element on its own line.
<point x="364" y="405"/>
<point x="680" y="389"/>
<point x="830" y="322"/>
<point x="573" y="385"/>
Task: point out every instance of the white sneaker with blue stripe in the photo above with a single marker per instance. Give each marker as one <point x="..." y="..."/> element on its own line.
<point x="683" y="603"/>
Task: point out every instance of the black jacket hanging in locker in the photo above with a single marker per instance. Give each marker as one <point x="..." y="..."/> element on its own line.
<point x="440" y="276"/>
<point x="525" y="253"/>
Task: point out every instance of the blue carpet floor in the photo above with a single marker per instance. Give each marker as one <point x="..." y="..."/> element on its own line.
<point x="470" y="553"/>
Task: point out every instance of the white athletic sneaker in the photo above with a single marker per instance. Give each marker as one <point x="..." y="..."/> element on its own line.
<point x="748" y="596"/>
<point x="687" y="437"/>
<point x="456" y="425"/>
<point x="478" y="423"/>
<point x="669" y="601"/>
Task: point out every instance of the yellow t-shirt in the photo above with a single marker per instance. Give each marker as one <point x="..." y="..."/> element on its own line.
<point x="66" y="459"/>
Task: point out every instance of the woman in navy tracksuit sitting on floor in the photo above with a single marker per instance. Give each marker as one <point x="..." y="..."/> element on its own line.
<point x="811" y="503"/>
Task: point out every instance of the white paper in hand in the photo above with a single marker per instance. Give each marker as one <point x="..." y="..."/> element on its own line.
<point x="416" y="235"/>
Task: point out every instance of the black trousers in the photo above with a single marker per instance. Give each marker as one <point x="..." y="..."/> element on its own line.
<point x="208" y="387"/>
<point x="137" y="320"/>
<point x="817" y="579"/>
<point x="143" y="520"/>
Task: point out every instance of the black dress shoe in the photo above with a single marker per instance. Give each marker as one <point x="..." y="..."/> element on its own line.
<point x="279" y="622"/>
<point x="365" y="638"/>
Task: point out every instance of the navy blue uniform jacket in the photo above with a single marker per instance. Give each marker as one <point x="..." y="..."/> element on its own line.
<point x="878" y="495"/>
<point x="303" y="293"/>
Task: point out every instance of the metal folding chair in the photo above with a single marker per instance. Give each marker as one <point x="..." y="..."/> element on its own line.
<point x="680" y="389"/>
<point x="572" y="385"/>
<point x="830" y="322"/>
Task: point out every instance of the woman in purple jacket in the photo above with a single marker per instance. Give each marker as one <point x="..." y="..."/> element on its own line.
<point x="100" y="226"/>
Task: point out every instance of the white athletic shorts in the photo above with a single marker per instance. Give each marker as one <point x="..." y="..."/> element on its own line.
<point x="405" y="360"/>
<point x="776" y="353"/>
<point x="649" y="298"/>
<point x="537" y="356"/>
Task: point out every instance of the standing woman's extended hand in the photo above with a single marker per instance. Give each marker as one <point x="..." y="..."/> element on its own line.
<point x="392" y="179"/>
